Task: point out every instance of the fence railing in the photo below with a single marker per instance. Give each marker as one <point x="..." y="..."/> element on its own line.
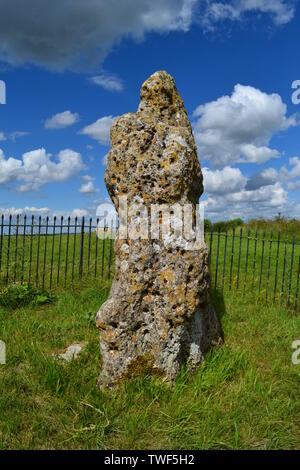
<point x="50" y="253"/>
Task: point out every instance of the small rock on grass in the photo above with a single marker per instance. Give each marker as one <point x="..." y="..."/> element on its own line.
<point x="72" y="352"/>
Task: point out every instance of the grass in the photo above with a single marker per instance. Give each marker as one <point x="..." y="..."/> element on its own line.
<point x="244" y="396"/>
<point x="52" y="261"/>
<point x="251" y="260"/>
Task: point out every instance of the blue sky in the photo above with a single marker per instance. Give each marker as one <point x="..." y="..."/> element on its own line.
<point x="75" y="66"/>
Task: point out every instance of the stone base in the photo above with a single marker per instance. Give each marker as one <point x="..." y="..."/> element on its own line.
<point x="155" y="348"/>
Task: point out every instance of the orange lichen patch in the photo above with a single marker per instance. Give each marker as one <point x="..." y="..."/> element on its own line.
<point x="167" y="275"/>
<point x="180" y="293"/>
<point x="100" y="325"/>
<point x="147" y="298"/>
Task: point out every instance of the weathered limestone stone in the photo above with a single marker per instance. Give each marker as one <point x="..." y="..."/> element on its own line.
<point x="158" y="315"/>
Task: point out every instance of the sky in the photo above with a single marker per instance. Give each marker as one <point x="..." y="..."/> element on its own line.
<point x="71" y="68"/>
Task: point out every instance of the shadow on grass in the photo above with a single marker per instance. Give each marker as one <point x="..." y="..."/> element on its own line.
<point x="218" y="302"/>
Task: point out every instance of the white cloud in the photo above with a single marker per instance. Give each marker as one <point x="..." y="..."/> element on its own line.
<point x="270" y="176"/>
<point x="13" y="135"/>
<point x="62" y="120"/>
<point x="223" y="181"/>
<point x="238" y="128"/>
<point x="37" y="168"/>
<point x="99" y="130"/>
<point x="108" y="82"/>
<point x="60" y="33"/>
<point x="88" y="187"/>
<point x="17" y="134"/>
<point x="104" y="159"/>
<point x="80" y="213"/>
<point x="294" y="185"/>
<point x="27" y="210"/>
<point x="42" y="212"/>
<point x="9" y="168"/>
<point x="280" y="11"/>
<point x="266" y="201"/>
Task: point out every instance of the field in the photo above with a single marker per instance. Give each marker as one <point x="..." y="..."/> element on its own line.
<point x="245" y="396"/>
<point x="257" y="257"/>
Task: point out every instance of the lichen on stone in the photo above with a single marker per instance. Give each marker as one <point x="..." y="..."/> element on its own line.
<point x="158" y="306"/>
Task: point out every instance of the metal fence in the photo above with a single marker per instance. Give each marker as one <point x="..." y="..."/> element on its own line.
<point x="57" y="252"/>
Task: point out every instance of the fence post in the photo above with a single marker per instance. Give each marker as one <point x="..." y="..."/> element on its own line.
<point x="239" y="260"/>
<point x="52" y="251"/>
<point x="74" y="248"/>
<point x="291" y="271"/>
<point x="297" y="286"/>
<point x="30" y="249"/>
<point x="224" y="260"/>
<point x="38" y="252"/>
<point x="1" y="240"/>
<point x="276" y="268"/>
<point x="231" y="260"/>
<point x="217" y="259"/>
<point x="67" y="250"/>
<point x="269" y="265"/>
<point x="16" y="247"/>
<point x="262" y="260"/>
<point x="110" y="251"/>
<point x="8" y="248"/>
<point x="246" y="263"/>
<point x="81" y="249"/>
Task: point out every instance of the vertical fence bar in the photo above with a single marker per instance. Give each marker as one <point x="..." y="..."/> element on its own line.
<point x="8" y="248"/>
<point x="59" y="249"/>
<point x="246" y="263"/>
<point x="23" y="249"/>
<point x="74" y="248"/>
<point x="254" y="258"/>
<point x="291" y="271"/>
<point x="262" y="260"/>
<point x="52" y="251"/>
<point x="297" y="286"/>
<point x="239" y="260"/>
<point x="81" y="249"/>
<point x="16" y="247"/>
<point x="89" y="245"/>
<point x="210" y="243"/>
<point x="96" y="250"/>
<point x="284" y="263"/>
<point x="38" y="252"/>
<point x="217" y="258"/>
<point x="276" y="266"/>
<point x="224" y="260"/>
<point x="231" y="261"/>
<point x="103" y="251"/>
<point x="30" y="249"/>
<point x="1" y="240"/>
<point x="110" y="251"/>
<point x="67" y="250"/>
<point x="45" y="250"/>
<point x="269" y="265"/>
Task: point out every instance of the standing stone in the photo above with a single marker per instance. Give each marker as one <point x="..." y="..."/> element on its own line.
<point x="157" y="316"/>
